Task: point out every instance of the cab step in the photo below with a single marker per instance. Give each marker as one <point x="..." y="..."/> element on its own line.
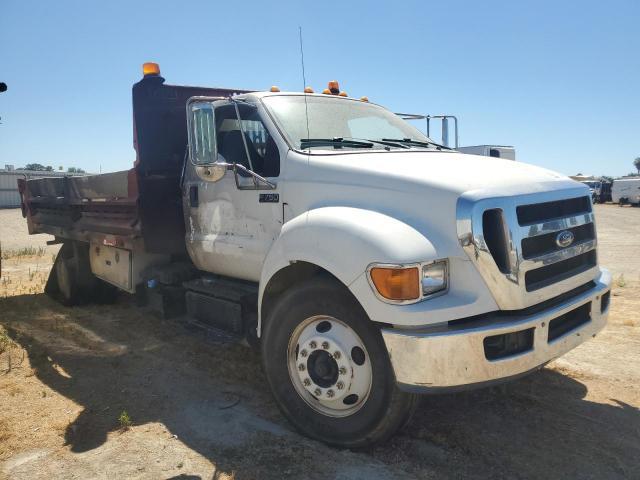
<point x="223" y="304"/>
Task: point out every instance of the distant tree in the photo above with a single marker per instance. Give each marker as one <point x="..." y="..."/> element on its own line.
<point x="75" y="170"/>
<point x="35" y="166"/>
<point x="606" y="178"/>
<point x="49" y="168"/>
<point x="636" y="163"/>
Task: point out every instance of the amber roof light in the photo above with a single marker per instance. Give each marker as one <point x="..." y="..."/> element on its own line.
<point x="150" y="68"/>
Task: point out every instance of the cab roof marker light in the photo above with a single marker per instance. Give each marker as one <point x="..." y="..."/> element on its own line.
<point x="274" y="88"/>
<point x="334" y="87"/>
<point x="308" y="90"/>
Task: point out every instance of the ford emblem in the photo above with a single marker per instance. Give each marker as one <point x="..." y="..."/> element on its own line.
<point x="564" y="239"/>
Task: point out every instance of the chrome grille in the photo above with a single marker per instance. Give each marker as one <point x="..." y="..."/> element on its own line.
<point x="513" y="241"/>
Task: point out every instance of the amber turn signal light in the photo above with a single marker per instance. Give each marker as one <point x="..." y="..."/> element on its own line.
<point x="396" y="283"/>
<point x="150" y="68"/>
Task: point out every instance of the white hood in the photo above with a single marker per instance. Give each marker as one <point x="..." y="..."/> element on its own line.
<point x="445" y="171"/>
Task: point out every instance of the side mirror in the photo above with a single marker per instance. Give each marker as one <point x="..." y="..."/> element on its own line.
<point x="203" y="149"/>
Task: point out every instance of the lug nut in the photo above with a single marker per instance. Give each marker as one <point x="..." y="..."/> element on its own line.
<point x="343" y="371"/>
<point x="306" y="382"/>
<point x="340" y="385"/>
<point x="317" y="392"/>
<point x="301" y="367"/>
<point x="336" y="355"/>
<point x="303" y="353"/>
<point x="330" y="393"/>
<point x="312" y="345"/>
<point x="325" y="345"/>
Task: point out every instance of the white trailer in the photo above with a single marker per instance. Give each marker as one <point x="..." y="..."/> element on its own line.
<point x="626" y="190"/>
<point x="497" y="151"/>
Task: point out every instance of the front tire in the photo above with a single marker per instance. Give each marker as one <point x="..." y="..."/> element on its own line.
<point x="329" y="369"/>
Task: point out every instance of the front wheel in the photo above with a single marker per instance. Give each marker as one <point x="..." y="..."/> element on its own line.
<point x="329" y="369"/>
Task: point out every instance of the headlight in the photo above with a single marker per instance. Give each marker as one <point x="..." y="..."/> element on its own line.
<point x="434" y="277"/>
<point x="408" y="283"/>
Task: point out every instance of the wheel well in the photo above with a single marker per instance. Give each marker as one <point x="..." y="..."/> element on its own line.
<point x="287" y="277"/>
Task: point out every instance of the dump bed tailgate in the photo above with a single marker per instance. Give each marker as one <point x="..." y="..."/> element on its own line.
<point x="83" y="208"/>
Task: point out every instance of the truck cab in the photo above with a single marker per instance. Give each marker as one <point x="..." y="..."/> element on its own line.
<point x="368" y="263"/>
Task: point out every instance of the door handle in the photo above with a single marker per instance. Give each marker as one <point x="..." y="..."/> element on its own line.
<point x="193" y="196"/>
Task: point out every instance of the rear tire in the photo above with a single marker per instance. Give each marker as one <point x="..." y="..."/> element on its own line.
<point x="71" y="281"/>
<point x="66" y="278"/>
<point x="349" y="400"/>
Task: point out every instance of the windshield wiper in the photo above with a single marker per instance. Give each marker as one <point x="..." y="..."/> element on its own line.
<point x="336" y="142"/>
<point x="410" y="141"/>
<point x="384" y="141"/>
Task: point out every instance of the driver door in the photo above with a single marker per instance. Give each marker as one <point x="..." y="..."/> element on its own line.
<point x="231" y="219"/>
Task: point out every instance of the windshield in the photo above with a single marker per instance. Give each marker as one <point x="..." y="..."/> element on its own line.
<point x="332" y="118"/>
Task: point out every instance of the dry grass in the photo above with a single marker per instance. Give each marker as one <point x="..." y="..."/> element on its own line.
<point x="5" y="436"/>
<point x="5" y="341"/>
<point x="24" y="252"/>
<point x="24" y="272"/>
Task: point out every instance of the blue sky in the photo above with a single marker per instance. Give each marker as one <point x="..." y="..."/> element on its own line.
<point x="559" y="80"/>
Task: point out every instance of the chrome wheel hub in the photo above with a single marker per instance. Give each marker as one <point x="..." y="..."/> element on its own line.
<point x="329" y="366"/>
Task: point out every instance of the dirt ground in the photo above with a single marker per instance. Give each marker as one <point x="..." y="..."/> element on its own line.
<point x="200" y="410"/>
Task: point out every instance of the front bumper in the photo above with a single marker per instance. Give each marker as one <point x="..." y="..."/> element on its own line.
<point x="455" y="356"/>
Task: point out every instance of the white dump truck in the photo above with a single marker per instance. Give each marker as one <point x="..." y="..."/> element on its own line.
<point x="366" y="262"/>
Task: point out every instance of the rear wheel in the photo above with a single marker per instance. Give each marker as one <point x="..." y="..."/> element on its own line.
<point x="71" y="281"/>
<point x="67" y="281"/>
<point x="329" y="369"/>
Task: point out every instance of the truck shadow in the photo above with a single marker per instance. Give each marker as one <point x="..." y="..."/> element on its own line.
<point x="215" y="399"/>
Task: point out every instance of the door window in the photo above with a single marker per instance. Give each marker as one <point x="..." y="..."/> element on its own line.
<point x="263" y="152"/>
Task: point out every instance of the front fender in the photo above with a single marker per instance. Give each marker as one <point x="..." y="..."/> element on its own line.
<point x="344" y="241"/>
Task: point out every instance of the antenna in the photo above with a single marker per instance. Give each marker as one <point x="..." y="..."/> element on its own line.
<point x="304" y="80"/>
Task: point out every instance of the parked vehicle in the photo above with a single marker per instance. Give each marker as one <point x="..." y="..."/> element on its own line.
<point x="600" y="190"/>
<point x="368" y="263"/>
<point x="626" y="190"/>
<point x="497" y="151"/>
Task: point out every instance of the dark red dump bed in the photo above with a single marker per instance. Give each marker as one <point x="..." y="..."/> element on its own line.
<point x="137" y="208"/>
